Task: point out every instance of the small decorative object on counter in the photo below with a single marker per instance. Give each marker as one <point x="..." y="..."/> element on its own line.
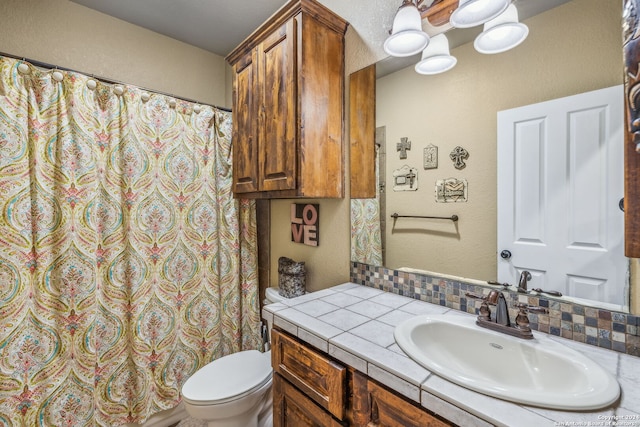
<point x="292" y="277"/>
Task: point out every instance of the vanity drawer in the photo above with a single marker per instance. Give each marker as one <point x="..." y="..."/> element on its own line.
<point x="321" y="379"/>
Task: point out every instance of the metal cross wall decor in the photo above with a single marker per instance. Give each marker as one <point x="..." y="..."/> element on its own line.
<point x="459" y="155"/>
<point x="403" y="146"/>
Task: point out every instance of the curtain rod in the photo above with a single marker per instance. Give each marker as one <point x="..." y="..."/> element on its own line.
<point x="107" y="80"/>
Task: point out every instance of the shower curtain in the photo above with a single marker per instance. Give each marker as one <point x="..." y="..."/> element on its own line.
<point x="366" y="234"/>
<point x="125" y="262"/>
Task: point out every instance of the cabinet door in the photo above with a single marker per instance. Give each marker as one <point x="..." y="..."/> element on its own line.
<point x="277" y="118"/>
<point x="362" y="132"/>
<point x="375" y="406"/>
<point x="292" y="408"/>
<point x="245" y="142"/>
<point x="323" y="380"/>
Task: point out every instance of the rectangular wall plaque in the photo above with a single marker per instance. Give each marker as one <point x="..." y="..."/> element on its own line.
<point x="405" y="179"/>
<point x="430" y="157"/>
<point x="305" y="223"/>
<point x="451" y="190"/>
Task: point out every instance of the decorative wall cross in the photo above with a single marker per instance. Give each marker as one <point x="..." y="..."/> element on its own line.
<point x="459" y="155"/>
<point x="403" y="146"/>
<point x="411" y="176"/>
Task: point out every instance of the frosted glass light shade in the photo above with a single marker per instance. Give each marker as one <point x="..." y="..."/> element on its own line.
<point x="501" y="33"/>
<point x="436" y="58"/>
<point x="407" y="37"/>
<point x="475" y="12"/>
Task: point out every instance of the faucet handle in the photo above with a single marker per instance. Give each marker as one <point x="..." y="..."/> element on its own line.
<point x="522" y="319"/>
<point x="475" y="295"/>
<point x="505" y="285"/>
<point x="531" y="308"/>
<point x="485" y="311"/>
<point x="491" y="298"/>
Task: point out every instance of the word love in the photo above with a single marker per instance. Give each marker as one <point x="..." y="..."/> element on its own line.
<point x="305" y="222"/>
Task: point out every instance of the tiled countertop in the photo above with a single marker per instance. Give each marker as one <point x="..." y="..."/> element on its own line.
<point x="355" y="323"/>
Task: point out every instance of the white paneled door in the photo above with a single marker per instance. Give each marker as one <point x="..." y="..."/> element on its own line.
<point x="560" y="182"/>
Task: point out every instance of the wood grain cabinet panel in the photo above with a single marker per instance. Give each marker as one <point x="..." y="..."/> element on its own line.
<point x="294" y="409"/>
<point x="362" y="132"/>
<point x="631" y="51"/>
<point x="288" y="102"/>
<point x="376" y="406"/>
<point x="321" y="379"/>
<point x="277" y="161"/>
<point x="245" y="147"/>
<point x="310" y="389"/>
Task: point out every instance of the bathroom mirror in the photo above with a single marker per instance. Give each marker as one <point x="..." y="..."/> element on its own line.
<point x="571" y="48"/>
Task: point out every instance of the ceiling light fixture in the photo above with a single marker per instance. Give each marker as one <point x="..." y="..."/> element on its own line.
<point x="501" y="33"/>
<point x="502" y="30"/>
<point x="436" y="58"/>
<point x="476" y="12"/>
<point x="407" y="37"/>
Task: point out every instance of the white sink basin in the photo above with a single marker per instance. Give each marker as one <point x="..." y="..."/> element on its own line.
<point x="539" y="372"/>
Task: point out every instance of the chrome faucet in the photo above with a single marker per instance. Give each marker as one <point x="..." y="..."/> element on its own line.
<point x="525" y="276"/>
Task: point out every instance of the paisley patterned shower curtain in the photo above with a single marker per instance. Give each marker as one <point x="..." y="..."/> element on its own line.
<point x="125" y="262"/>
<point x="366" y="234"/>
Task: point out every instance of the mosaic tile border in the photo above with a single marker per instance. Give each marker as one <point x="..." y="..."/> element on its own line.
<point x="599" y="327"/>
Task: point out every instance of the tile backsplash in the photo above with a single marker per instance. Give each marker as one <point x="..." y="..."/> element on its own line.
<point x="603" y="328"/>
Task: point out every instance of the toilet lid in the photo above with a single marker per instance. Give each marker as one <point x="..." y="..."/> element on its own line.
<point x="228" y="377"/>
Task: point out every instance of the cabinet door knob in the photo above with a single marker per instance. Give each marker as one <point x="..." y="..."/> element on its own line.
<point x="505" y="254"/>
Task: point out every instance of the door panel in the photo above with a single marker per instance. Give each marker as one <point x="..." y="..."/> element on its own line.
<point x="245" y="145"/>
<point x="559" y="183"/>
<point x="529" y="194"/>
<point x="278" y="109"/>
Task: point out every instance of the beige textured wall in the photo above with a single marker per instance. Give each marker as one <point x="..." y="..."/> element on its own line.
<point x="63" y="33"/>
<point x="562" y="56"/>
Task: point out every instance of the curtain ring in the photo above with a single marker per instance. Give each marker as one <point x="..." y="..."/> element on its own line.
<point x="23" y="68"/>
<point x="57" y="75"/>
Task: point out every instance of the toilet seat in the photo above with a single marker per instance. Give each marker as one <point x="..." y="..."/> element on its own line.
<point x="229" y="378"/>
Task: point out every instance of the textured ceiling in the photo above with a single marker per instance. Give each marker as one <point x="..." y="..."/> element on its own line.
<point x="220" y="25"/>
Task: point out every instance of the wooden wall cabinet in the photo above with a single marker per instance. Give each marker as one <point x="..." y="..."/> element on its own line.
<point x="310" y="389"/>
<point x="362" y="133"/>
<point x="288" y="102"/>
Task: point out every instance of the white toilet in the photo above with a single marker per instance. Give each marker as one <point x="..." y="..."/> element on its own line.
<point x="235" y="390"/>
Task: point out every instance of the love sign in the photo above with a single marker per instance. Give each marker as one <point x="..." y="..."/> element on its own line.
<point x="305" y="223"/>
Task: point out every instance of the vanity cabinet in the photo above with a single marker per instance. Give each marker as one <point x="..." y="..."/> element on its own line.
<point x="376" y="406"/>
<point x="310" y="389"/>
<point x="320" y="384"/>
<point x="288" y="96"/>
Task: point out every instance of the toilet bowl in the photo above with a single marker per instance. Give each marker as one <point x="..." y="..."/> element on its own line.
<point x="235" y="390"/>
